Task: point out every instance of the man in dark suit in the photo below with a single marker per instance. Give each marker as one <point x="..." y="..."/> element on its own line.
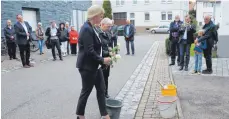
<point x="10" y="40"/>
<point x="23" y="35"/>
<point x="187" y="31"/>
<point x="129" y="37"/>
<point x="114" y="34"/>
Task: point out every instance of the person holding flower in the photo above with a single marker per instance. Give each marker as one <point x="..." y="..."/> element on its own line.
<point x="199" y="47"/>
<point x="102" y="31"/>
<point x="73" y="35"/>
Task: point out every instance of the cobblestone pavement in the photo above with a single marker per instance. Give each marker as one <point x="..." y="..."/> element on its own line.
<point x="140" y="93"/>
<point x="11" y="65"/>
<point x="220" y="67"/>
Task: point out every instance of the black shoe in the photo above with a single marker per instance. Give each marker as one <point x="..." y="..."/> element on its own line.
<point x="207" y="71"/>
<point x="11" y="58"/>
<point x="133" y="54"/>
<point x="171" y="64"/>
<point x="15" y="58"/>
<point x="186" y="68"/>
<point x="127" y="53"/>
<point x="61" y="59"/>
<point x="107" y="96"/>
<point x="178" y="63"/>
<point x="181" y="68"/>
<point x="54" y="59"/>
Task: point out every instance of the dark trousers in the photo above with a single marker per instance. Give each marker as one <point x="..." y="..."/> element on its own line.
<point x="106" y="73"/>
<point x="114" y="41"/>
<point x="56" y="43"/>
<point x="11" y="49"/>
<point x="89" y="80"/>
<point x="184" y="51"/>
<point x="128" y="43"/>
<point x="25" y="54"/>
<point x="73" y="48"/>
<point x="175" y="50"/>
<point x="208" y="57"/>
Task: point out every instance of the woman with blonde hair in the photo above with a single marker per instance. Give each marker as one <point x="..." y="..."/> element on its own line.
<point x="89" y="63"/>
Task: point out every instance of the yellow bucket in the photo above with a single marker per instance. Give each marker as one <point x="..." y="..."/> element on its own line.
<point x="169" y="90"/>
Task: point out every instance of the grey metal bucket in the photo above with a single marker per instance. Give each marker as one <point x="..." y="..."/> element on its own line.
<point x="113" y="108"/>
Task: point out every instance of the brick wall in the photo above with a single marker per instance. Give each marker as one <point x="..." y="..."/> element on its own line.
<point x="60" y="11"/>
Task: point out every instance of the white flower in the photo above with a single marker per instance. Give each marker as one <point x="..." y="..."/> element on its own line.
<point x="118" y="44"/>
<point x="118" y="56"/>
<point x="110" y="49"/>
<point x="110" y="53"/>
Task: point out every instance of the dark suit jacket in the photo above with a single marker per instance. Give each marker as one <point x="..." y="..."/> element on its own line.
<point x="48" y="33"/>
<point x="89" y="49"/>
<point x="173" y="28"/>
<point x="114" y="30"/>
<point x="8" y="33"/>
<point x="190" y="34"/>
<point x="131" y="32"/>
<point x="21" y="35"/>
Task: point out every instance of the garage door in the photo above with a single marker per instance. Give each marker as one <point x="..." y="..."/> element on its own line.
<point x="79" y="17"/>
<point x="31" y="17"/>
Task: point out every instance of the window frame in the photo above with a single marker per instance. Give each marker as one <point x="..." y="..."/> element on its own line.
<point x="163" y="13"/>
<point x="170" y="13"/>
<point x="132" y="14"/>
<point x="135" y="2"/>
<point x="147" y="13"/>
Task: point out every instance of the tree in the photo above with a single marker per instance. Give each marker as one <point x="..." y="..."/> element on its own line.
<point x="107" y="8"/>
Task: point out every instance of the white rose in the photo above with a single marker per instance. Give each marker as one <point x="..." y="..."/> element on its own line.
<point x="118" y="56"/>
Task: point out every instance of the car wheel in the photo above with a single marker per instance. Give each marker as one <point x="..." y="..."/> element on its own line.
<point x="153" y="31"/>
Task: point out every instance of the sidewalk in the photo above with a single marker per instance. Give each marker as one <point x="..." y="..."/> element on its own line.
<point x="11" y="65"/>
<point x="140" y="93"/>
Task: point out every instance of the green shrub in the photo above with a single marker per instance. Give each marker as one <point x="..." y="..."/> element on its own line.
<point x="167" y="46"/>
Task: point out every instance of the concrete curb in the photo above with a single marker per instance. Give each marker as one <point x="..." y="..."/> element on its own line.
<point x="179" y="109"/>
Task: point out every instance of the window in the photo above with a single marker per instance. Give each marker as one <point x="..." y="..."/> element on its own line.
<point x="117" y="2"/>
<point x="120" y="15"/>
<point x="170" y="15"/>
<point x="163" y="1"/>
<point x="169" y="1"/>
<point x="163" y="15"/>
<point x="134" y="1"/>
<point x="147" y="1"/>
<point x="122" y="2"/>
<point x="147" y="16"/>
<point x="207" y="4"/>
<point x="132" y="15"/>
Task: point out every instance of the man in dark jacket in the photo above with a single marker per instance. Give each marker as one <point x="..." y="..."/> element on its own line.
<point x="174" y="37"/>
<point x="64" y="38"/>
<point x="23" y="35"/>
<point x="187" y="31"/>
<point x="211" y="36"/>
<point x="10" y="40"/>
<point x="52" y="33"/>
<point x="129" y="37"/>
<point x="114" y="34"/>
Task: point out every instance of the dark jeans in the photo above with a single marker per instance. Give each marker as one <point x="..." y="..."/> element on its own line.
<point x="208" y="57"/>
<point x="114" y="41"/>
<point x="25" y="54"/>
<point x="106" y="73"/>
<point x="11" y="49"/>
<point x="184" y="51"/>
<point x="89" y="80"/>
<point x="175" y="50"/>
<point x="73" y="48"/>
<point x="56" y="43"/>
<point x="131" y="42"/>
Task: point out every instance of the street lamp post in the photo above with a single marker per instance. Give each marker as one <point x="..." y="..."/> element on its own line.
<point x="214" y="10"/>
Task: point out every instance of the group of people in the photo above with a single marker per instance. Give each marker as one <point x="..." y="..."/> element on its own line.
<point x="56" y="37"/>
<point x="182" y="36"/>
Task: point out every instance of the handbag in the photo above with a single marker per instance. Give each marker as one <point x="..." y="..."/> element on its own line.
<point x="48" y="44"/>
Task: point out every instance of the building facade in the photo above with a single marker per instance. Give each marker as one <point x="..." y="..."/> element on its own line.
<point x="145" y="14"/>
<point x="44" y="11"/>
<point x="208" y="7"/>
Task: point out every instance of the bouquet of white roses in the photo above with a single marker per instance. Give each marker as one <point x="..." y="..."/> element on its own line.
<point x="113" y="55"/>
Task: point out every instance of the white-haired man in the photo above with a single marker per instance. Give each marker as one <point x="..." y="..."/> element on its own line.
<point x="211" y="36"/>
<point x="129" y="37"/>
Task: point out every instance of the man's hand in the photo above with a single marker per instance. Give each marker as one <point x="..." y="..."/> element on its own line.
<point x="107" y="60"/>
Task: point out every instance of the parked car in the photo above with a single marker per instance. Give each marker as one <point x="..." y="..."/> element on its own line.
<point x="121" y="29"/>
<point x="160" y="29"/>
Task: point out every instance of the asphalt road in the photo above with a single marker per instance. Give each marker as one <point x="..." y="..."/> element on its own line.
<point x="51" y="90"/>
<point x="203" y="97"/>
